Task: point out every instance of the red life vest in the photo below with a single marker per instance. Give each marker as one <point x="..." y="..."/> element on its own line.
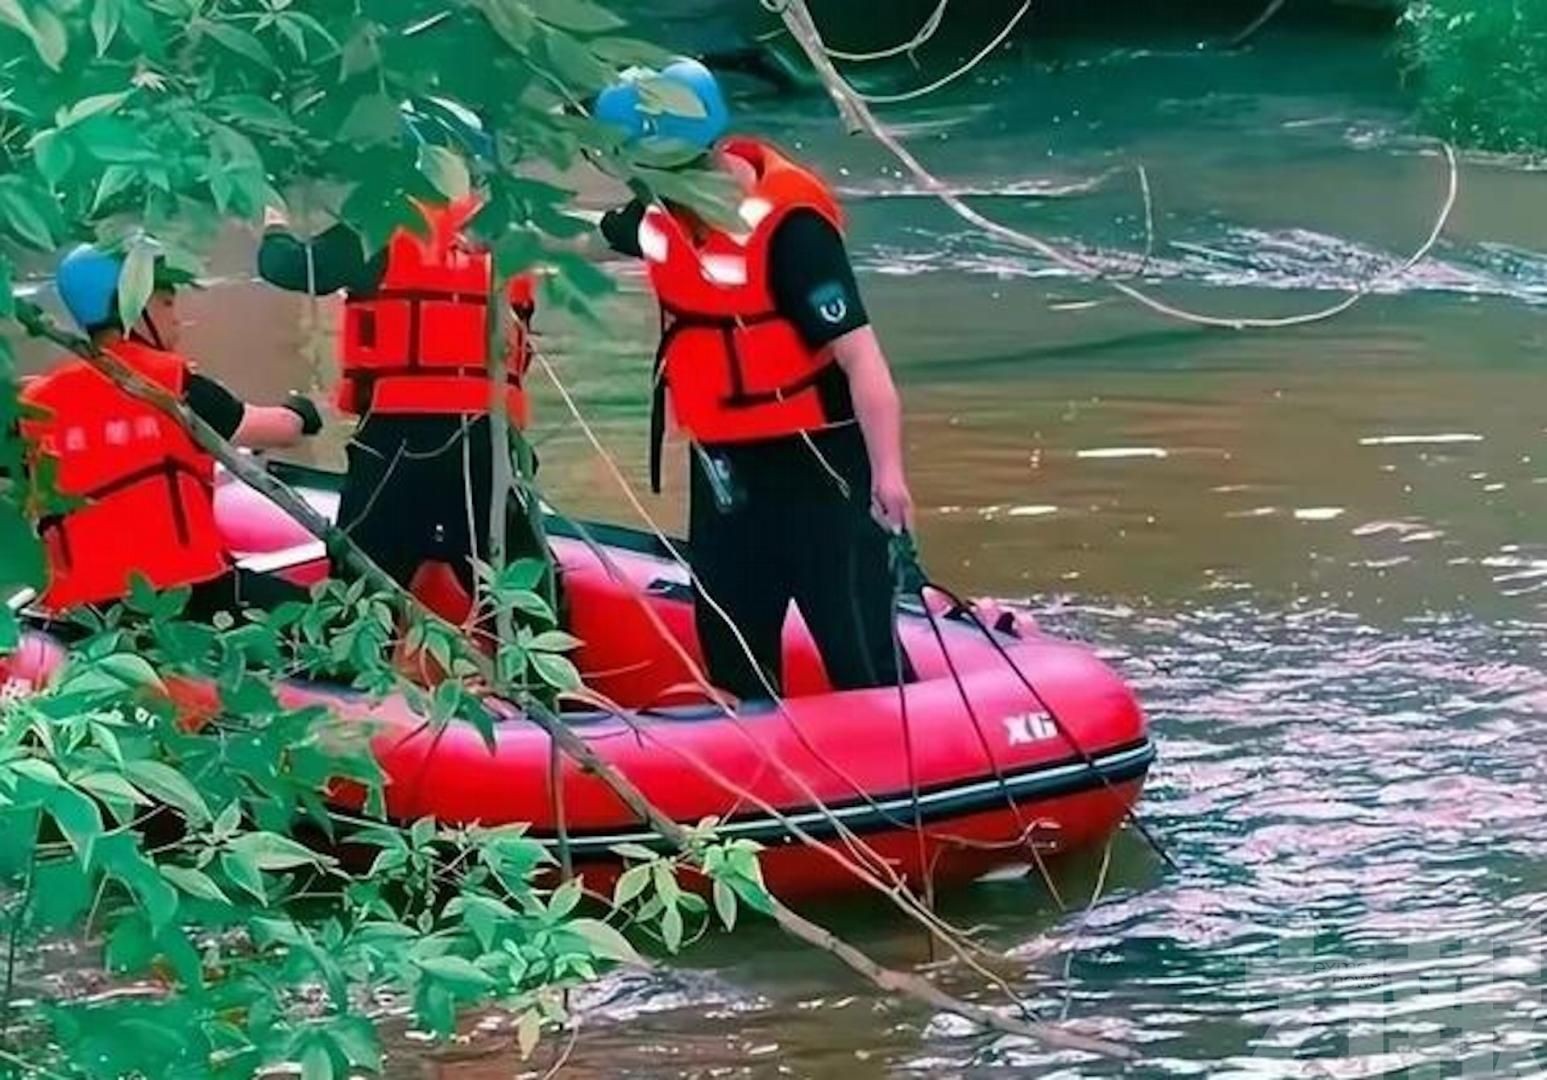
<point x="149" y="489"/>
<point x="734" y="368"/>
<point x="419" y="343"/>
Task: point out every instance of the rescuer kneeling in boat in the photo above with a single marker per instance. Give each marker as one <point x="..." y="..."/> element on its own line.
<point x="414" y="367"/>
<point x="147" y="488"/>
<point x="773" y="371"/>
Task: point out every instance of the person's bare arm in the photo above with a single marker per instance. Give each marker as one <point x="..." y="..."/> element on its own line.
<point x="269" y="427"/>
<point x="879" y="411"/>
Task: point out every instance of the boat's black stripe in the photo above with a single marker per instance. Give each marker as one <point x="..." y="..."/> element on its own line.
<point x="882" y="813"/>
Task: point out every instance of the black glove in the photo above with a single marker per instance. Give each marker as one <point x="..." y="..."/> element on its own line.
<point x="303" y="407"/>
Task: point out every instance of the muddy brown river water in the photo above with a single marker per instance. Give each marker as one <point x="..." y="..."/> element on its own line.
<point x="1318" y="553"/>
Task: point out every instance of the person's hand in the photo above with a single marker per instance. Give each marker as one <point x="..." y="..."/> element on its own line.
<point x="891" y="504"/>
<point x="274" y="217"/>
<point x="1014" y="621"/>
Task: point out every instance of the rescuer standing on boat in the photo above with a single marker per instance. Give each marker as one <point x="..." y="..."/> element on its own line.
<point x="147" y="489"/>
<point x="773" y="372"/>
<point x="414" y="367"/>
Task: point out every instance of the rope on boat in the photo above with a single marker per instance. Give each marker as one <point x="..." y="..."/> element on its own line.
<point x="1064" y="731"/>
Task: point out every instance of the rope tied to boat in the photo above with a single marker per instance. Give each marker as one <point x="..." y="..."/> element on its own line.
<point x="911" y="576"/>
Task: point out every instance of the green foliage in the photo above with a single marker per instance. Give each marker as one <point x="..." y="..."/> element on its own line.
<point x="173" y="827"/>
<point x="1482" y="71"/>
<point x="650" y="892"/>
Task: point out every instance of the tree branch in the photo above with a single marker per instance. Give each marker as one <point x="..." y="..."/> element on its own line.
<point x="798" y="926"/>
<point x="858" y="117"/>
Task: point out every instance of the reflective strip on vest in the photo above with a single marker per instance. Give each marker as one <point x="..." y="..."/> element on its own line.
<point x="733" y="367"/>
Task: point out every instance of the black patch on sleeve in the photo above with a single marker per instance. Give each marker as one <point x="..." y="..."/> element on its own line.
<point x="812" y="280"/>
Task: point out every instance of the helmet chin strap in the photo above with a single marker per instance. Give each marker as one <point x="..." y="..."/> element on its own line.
<point x="154" y="340"/>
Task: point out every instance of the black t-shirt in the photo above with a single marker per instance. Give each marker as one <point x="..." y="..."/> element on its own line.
<point x="337" y="261"/>
<point x="809" y="271"/>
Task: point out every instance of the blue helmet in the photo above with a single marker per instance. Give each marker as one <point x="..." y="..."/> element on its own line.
<point x="87" y="280"/>
<point x="622" y="105"/>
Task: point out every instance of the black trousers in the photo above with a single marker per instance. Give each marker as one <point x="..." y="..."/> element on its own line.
<point x="407" y="501"/>
<point x="775" y="526"/>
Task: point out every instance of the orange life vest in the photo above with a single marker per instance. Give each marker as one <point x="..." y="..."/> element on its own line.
<point x="419" y="343"/>
<point x="734" y="368"/>
<point x="148" y="488"/>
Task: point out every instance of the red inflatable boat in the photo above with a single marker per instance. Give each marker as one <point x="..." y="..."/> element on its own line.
<point x="984" y="784"/>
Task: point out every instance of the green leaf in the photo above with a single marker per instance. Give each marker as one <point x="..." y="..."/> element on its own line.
<point x="53" y="41"/>
<point x="361" y="51"/>
<point x="629" y="52"/>
<point x="576" y="65"/>
<point x="14" y="15"/>
<point x="665" y="878"/>
<point x="108" y="785"/>
<point x="113" y="141"/>
<point x="528" y="1030"/>
<point x="194" y="883"/>
<point x="19" y="208"/>
<point x="658" y="95"/>
<point x="10" y="629"/>
<point x="446" y="170"/>
<point x="163" y="782"/>
<point x="135" y="281"/>
<point x="512" y="21"/>
<point x="127" y="668"/>
<point x="633" y="851"/>
<point x="630" y="884"/>
<point x="458" y="974"/>
<point x="554" y="641"/>
<point x="605" y="940"/>
<point x="582" y="16"/>
<point x="357" y="1039"/>
<point x="557" y="671"/>
<point x="97" y="104"/>
<point x="293" y="34"/>
<point x="130" y="946"/>
<point x="564" y="899"/>
<point x="244" y="874"/>
<point x="240" y="42"/>
<point x="38" y="771"/>
<point x="120" y="856"/>
<point x="21" y="555"/>
<point x="230" y="818"/>
<point x="115" y="180"/>
<point x="725" y="904"/>
<point x="61" y="893"/>
<point x="671" y="928"/>
<point x="752" y="893"/>
<point x="43" y="29"/>
<point x="254" y="110"/>
<point x="53" y="154"/>
<point x="316" y="1062"/>
<point x="372" y="119"/>
<point x="77" y="817"/>
<point x="270" y="851"/>
<point x="105" y="17"/>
